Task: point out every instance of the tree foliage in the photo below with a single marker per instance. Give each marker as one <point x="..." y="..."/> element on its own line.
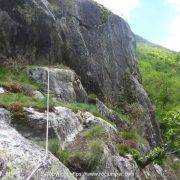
<point x="160" y="70"/>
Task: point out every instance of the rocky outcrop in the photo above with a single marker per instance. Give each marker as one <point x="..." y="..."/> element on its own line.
<point x="19" y="157"/>
<point x="97" y="44"/>
<point x="110" y="114"/>
<point x="62" y="122"/>
<point x="152" y="131"/>
<point x="64" y="83"/>
<point x="89" y="120"/>
<point x="120" y="167"/>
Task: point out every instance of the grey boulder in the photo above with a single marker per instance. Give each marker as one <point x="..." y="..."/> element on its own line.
<point x="64" y="83"/>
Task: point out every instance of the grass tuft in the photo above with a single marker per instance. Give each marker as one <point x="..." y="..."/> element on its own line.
<point x="97" y="132"/>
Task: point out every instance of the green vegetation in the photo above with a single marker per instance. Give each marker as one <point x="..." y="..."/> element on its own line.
<point x="170" y="127"/>
<point x="96" y="152"/>
<point x="14" y="80"/>
<point x="9" y="77"/>
<point x="123" y="149"/>
<point x="133" y="135"/>
<point x="9" y="99"/>
<point x="83" y="161"/>
<point x="97" y="132"/>
<point x="21" y="99"/>
<point x="54" y="146"/>
<point x="174" y="164"/>
<point x="78" y="106"/>
<point x="156" y="156"/>
<point x="160" y="70"/>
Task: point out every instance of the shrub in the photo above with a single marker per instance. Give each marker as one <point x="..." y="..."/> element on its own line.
<point x="80" y="161"/>
<point x="16" y="64"/>
<point x="18" y="116"/>
<point x="136" y="155"/>
<point x="123" y="149"/>
<point x="170" y="130"/>
<point x="156" y="156"/>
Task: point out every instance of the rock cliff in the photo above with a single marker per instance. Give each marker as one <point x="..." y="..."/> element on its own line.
<point x="90" y="53"/>
<point x="85" y="36"/>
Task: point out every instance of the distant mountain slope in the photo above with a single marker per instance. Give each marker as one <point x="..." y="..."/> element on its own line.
<point x="142" y="40"/>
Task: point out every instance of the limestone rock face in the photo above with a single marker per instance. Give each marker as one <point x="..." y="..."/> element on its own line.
<point x="19" y="157"/>
<point x="64" y="83"/>
<point x="98" y="45"/>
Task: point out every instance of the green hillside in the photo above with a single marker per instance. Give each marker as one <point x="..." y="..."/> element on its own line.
<point x="160" y="71"/>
